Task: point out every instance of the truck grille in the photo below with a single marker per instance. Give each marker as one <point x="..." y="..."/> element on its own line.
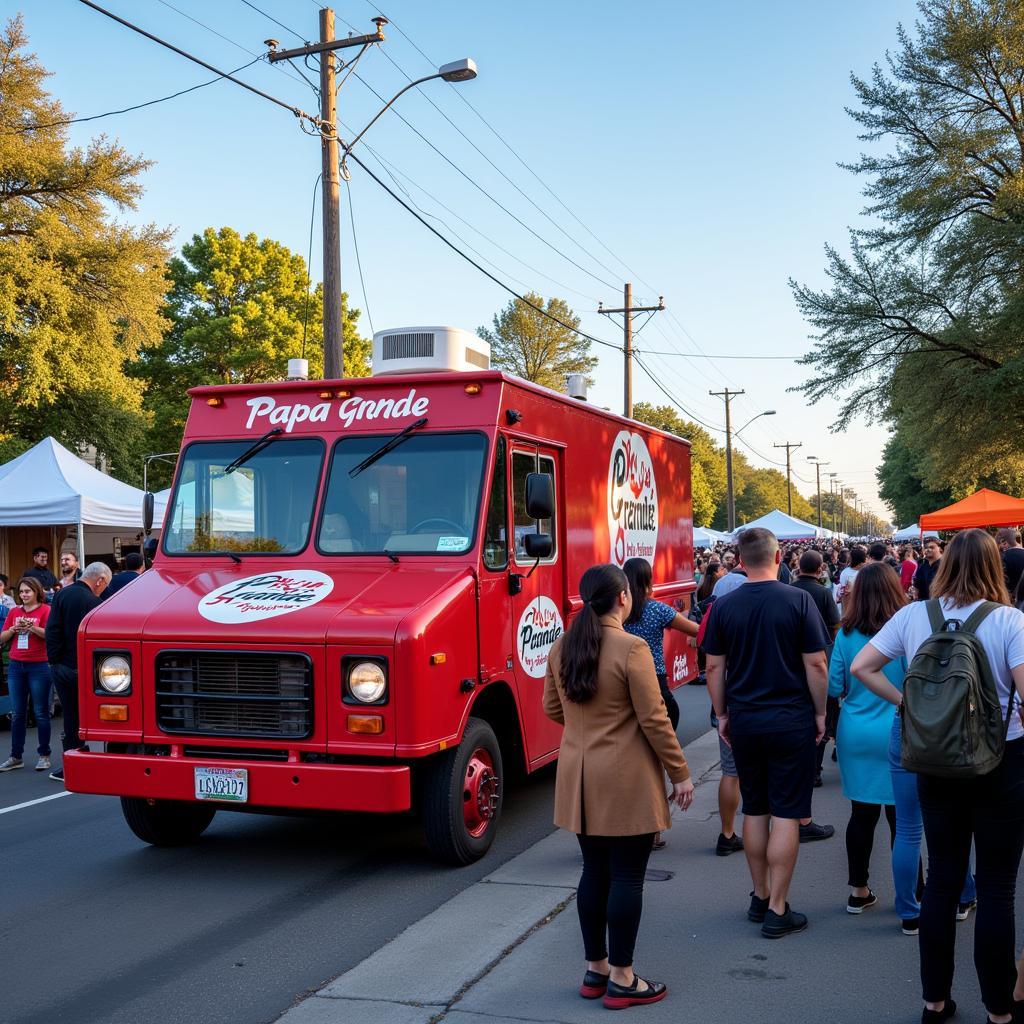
<point x="206" y="693"/>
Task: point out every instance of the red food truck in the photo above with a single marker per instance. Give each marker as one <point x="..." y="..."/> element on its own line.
<point x="356" y="589"/>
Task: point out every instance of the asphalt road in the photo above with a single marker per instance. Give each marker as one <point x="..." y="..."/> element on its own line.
<point x="97" y="927"/>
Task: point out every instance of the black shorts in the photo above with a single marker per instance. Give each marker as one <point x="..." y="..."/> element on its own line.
<point x="776" y="771"/>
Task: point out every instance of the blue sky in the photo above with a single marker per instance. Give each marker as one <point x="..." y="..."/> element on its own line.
<point x="697" y="141"/>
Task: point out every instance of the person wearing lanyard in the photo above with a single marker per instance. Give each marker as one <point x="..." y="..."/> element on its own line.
<point x="29" y="673"/>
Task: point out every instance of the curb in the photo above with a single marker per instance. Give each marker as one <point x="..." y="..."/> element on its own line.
<point x="419" y="975"/>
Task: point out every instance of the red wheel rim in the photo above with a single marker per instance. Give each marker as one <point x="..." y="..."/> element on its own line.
<point x="480" y="789"/>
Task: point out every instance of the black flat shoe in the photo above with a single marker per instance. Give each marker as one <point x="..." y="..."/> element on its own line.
<point x="758" y="908"/>
<point x="621" y="997"/>
<point x="938" y="1016"/>
<point x="594" y="985"/>
<point x="776" y="926"/>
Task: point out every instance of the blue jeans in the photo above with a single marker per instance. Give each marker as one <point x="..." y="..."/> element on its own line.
<point x="906" y="851"/>
<point x="24" y="678"/>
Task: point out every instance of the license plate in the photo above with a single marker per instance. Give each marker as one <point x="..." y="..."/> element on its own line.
<point x="230" y="784"/>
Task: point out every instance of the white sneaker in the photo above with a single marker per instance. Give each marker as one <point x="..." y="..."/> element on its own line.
<point x="11" y="763"/>
<point x="43" y="764"/>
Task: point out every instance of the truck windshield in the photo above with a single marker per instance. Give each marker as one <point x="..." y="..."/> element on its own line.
<point x="420" y="498"/>
<point x="265" y="506"/>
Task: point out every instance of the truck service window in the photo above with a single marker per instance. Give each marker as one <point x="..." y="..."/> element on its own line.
<point x="265" y="506"/>
<point x="420" y="498"/>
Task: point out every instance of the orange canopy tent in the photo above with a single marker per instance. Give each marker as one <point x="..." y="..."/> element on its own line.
<point x="984" y="508"/>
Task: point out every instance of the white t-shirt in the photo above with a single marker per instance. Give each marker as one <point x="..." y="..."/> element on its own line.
<point x="1001" y="634"/>
<point x="847" y="578"/>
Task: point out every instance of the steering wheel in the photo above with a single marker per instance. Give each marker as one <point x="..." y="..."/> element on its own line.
<point x="460" y="530"/>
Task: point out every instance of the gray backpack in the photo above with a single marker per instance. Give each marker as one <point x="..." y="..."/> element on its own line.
<point x="952" y="722"/>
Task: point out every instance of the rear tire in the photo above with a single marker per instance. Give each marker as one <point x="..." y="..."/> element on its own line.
<point x="166" y="822"/>
<point x="462" y="791"/>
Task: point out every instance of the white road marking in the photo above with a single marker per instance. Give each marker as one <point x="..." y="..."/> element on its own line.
<point x="32" y="803"/>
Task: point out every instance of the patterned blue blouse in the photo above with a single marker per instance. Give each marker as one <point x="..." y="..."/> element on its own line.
<point x="655" y="620"/>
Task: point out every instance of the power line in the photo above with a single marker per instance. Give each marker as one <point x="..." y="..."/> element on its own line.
<point x="359" y="262"/>
<point x="451" y="245"/>
<point x="309" y="260"/>
<point x="126" y="110"/>
<point x="686" y="412"/>
<point x="297" y="111"/>
<point x="717" y="355"/>
<point x="281" y="24"/>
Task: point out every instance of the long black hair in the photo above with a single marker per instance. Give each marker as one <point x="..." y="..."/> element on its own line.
<point x="599" y="588"/>
<point x="638" y="572"/>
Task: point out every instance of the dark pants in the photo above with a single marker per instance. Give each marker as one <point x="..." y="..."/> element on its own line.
<point x="860" y="837"/>
<point x="610" y="898"/>
<point x="989" y="810"/>
<point x="671" y="704"/>
<point x="66" y="682"/>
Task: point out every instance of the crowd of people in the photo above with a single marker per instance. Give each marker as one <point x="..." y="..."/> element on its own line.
<point x="910" y="659"/>
<point x="40" y="629"/>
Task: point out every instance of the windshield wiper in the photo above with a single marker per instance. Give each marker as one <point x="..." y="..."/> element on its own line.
<point x="391" y="555"/>
<point x="390" y="445"/>
<point x="253" y="449"/>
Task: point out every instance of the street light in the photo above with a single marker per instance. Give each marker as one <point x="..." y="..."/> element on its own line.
<point x="730" y="506"/>
<point x="455" y="71"/>
<point x="817" y="476"/>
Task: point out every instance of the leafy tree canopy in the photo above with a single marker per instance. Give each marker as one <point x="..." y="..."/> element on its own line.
<point x="239" y="308"/>
<point x="80" y="294"/>
<point x="531" y="346"/>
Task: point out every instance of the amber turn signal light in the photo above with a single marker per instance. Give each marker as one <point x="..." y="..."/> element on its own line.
<point x="113" y="712"/>
<point x="215" y="401"/>
<point x="473" y="389"/>
<point x="343" y="393"/>
<point x="366" y="725"/>
<point x="438" y="659"/>
<point x="326" y="394"/>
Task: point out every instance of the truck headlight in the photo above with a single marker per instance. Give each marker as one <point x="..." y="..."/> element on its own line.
<point x="366" y="682"/>
<point x="114" y="673"/>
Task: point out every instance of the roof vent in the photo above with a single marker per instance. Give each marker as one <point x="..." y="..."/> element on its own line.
<point x="428" y="350"/>
<point x="577" y="386"/>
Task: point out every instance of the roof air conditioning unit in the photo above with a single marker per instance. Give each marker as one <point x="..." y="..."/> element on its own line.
<point x="428" y="350"/>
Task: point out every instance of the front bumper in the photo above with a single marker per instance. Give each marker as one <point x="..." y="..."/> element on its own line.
<point x="331" y="787"/>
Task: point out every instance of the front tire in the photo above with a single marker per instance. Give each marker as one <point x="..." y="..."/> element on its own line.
<point x="166" y="822"/>
<point x="462" y="796"/>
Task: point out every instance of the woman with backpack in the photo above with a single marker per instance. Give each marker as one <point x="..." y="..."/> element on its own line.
<point x="601" y="687"/>
<point x="963" y="798"/>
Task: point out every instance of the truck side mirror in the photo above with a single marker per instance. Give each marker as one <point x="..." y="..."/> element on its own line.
<point x="148" y="506"/>
<point x="538" y="545"/>
<point x="540" y="496"/>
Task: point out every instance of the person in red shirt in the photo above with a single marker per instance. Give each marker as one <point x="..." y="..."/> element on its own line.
<point x="908" y="566"/>
<point x="28" y="673"/>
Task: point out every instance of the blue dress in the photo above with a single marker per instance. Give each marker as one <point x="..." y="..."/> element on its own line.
<point x="865" y="724"/>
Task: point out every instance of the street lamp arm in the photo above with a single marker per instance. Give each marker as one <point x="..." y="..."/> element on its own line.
<point x="767" y="412"/>
<point x="376" y="117"/>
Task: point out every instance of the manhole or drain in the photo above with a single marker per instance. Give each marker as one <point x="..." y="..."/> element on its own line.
<point x="659" y="876"/>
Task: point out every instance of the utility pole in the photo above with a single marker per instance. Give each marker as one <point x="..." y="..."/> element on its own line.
<point x="331" y="195"/>
<point x="832" y="497"/>
<point x="730" y="496"/>
<point x="627" y="311"/>
<point x="789" y="446"/>
<point x="817" y="476"/>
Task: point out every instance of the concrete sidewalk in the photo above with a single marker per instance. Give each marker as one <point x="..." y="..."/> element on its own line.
<point x="508" y="948"/>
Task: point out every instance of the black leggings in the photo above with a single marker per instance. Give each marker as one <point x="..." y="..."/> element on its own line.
<point x="989" y="810"/>
<point x="610" y="898"/>
<point x="671" y="704"/>
<point x="860" y="837"/>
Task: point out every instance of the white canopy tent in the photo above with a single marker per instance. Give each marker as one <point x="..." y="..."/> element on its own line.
<point x="232" y="497"/>
<point x="705" y="537"/>
<point x="913" y="532"/>
<point x="49" y="485"/>
<point x="786" y="527"/>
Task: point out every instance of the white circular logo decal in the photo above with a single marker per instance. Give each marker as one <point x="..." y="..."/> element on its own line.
<point x="632" y="500"/>
<point x="540" y="626"/>
<point x="265" y="596"/>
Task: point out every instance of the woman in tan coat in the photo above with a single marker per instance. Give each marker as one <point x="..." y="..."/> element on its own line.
<point x="602" y="687"/>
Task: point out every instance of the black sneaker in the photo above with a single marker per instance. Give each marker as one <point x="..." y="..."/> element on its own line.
<point x="938" y="1016"/>
<point x="732" y="844"/>
<point x="57" y="775"/>
<point x="818" y="781"/>
<point x="813" y="832"/>
<point x="777" y="925"/>
<point x="758" y="908"/>
<point x="963" y="910"/>
<point x="910" y="925"/>
<point x="858" y="904"/>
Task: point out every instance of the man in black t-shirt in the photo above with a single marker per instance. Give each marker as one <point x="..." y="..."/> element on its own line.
<point x="1008" y="540"/>
<point x="928" y="568"/>
<point x="807" y="581"/>
<point x="768" y="680"/>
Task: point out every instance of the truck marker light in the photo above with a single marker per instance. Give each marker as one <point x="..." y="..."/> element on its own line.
<point x="473" y="389"/>
<point x="113" y="712"/>
<point x="215" y="401"/>
<point x="443" y="745"/>
<point x="326" y="394"/>
<point x="343" y="393"/>
<point x="438" y="659"/>
<point x="372" y="725"/>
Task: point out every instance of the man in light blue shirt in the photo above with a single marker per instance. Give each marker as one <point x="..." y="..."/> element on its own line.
<point x="728" y="583"/>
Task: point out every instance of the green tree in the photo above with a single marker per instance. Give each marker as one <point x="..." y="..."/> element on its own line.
<point x="239" y="309"/>
<point x="534" y="347"/>
<point x="707" y="461"/>
<point x="923" y="323"/>
<point x="765" y="490"/>
<point x="80" y="294"/>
